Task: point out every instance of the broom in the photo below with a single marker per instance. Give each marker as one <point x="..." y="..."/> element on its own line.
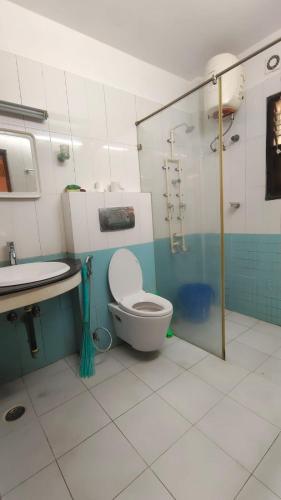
<point x="88" y="350"/>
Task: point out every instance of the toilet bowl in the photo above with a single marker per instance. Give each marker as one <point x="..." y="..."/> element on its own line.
<point x="141" y="319"/>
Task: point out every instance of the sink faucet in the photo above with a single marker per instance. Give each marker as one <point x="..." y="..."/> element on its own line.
<point x="12" y="253"/>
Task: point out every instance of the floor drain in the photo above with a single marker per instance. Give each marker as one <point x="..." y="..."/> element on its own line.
<point x="14" y="414"/>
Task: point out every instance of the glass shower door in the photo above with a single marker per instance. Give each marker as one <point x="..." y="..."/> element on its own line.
<point x="183" y="175"/>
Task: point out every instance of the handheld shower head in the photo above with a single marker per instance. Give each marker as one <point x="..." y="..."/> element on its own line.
<point x="188" y="128"/>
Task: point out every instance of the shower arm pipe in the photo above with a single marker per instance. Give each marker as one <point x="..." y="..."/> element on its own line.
<point x="212" y="79"/>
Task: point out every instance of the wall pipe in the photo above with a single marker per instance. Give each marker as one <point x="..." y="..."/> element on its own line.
<point x="209" y="80"/>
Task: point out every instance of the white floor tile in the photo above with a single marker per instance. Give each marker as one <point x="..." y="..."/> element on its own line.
<point x="184" y="354"/>
<point x="264" y="327"/>
<point x="22" y="453"/>
<point x="233" y="330"/>
<point x="261" y="396"/>
<point x="269" y="470"/>
<point x="126" y="355"/>
<point x="277" y="354"/>
<point x="190" y="396"/>
<point x="47" y="484"/>
<point x="102" y="466"/>
<point x="152" y="426"/>
<point x="120" y="393"/>
<point x="156" y="372"/>
<point x="196" y="468"/>
<point x="145" y="487"/>
<point x="264" y="342"/>
<point x="271" y="369"/>
<point x="52" y="389"/>
<point x="242" y="319"/>
<point x="42" y="374"/>
<point x="13" y="394"/>
<point x="254" y="490"/>
<point x="238" y="431"/>
<point x="221" y="374"/>
<point x="72" y="422"/>
<point x="73" y="362"/>
<point x="170" y="340"/>
<point x="106" y="366"/>
<point x="244" y="355"/>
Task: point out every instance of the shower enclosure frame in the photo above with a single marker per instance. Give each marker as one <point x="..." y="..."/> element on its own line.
<point x="216" y="79"/>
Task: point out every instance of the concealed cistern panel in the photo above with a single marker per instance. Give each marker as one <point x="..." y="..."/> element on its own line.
<point x="116" y="218"/>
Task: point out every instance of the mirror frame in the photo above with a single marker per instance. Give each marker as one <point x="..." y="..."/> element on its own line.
<point x="21" y="194"/>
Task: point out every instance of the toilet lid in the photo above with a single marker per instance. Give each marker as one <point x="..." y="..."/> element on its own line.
<point x="124" y="274"/>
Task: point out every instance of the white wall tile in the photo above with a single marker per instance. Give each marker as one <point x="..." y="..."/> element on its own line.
<point x="51" y="225"/>
<point x="81" y="115"/>
<point x="98" y="239"/>
<point x="25" y="229"/>
<point x="6" y="228"/>
<point x="272" y="85"/>
<point x="146" y="224"/>
<point x="56" y="100"/>
<point x="64" y="171"/>
<point x="9" y="86"/>
<point x="44" y="160"/>
<point x="256" y="162"/>
<point x="67" y="223"/>
<point x="91" y="160"/>
<point x="96" y="109"/>
<point x="32" y="88"/>
<point x="121" y="116"/>
<point x="124" y="166"/>
<point x="159" y="213"/>
<point x="86" y="107"/>
<point x="9" y="83"/>
<point x="78" y="210"/>
<point x="255" y="112"/>
<point x="150" y="132"/>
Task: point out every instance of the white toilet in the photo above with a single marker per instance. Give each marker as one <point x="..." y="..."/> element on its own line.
<point x="140" y="318"/>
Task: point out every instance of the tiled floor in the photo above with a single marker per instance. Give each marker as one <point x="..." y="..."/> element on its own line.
<point x="178" y="425"/>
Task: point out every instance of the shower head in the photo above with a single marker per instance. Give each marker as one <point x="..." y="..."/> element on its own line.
<point x="188" y="128"/>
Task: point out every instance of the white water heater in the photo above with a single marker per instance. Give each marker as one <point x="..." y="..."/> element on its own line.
<point x="233" y="84"/>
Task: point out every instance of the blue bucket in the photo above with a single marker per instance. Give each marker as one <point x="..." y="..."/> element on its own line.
<point x="195" y="301"/>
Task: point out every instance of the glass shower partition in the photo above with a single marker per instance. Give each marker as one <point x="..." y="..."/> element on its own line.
<point x="183" y="175"/>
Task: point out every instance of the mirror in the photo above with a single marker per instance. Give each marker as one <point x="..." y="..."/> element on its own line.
<point x="19" y="177"/>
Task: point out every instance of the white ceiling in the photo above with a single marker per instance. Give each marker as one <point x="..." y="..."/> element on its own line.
<point x="176" y="35"/>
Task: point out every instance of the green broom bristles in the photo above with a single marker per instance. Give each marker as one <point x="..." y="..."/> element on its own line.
<point x="88" y="349"/>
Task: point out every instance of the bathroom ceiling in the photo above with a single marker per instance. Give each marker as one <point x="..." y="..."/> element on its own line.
<point x="176" y="35"/>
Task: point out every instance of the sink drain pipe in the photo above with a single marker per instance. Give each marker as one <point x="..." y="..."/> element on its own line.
<point x="31" y="312"/>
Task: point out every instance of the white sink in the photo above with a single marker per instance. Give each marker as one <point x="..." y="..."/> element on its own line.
<point x="30" y="273"/>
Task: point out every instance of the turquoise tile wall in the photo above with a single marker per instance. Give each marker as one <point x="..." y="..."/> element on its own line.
<point x="252" y="271"/>
<point x="173" y="270"/>
<point x="100" y="293"/>
<point x="55" y="334"/>
<point x="201" y="263"/>
<point x="58" y="329"/>
<point x="253" y="275"/>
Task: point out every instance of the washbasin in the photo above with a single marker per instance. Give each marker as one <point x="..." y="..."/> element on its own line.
<point x="31" y="272"/>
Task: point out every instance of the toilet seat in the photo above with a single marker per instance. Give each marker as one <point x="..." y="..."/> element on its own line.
<point x="146" y="305"/>
<point x="126" y="285"/>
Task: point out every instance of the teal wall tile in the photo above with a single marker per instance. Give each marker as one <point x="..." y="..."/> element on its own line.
<point x="10" y="361"/>
<point x="59" y="336"/>
<point x="100" y="291"/>
<point x="253" y="268"/>
<point x="56" y="336"/>
<point x="28" y="362"/>
<point x="58" y="330"/>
